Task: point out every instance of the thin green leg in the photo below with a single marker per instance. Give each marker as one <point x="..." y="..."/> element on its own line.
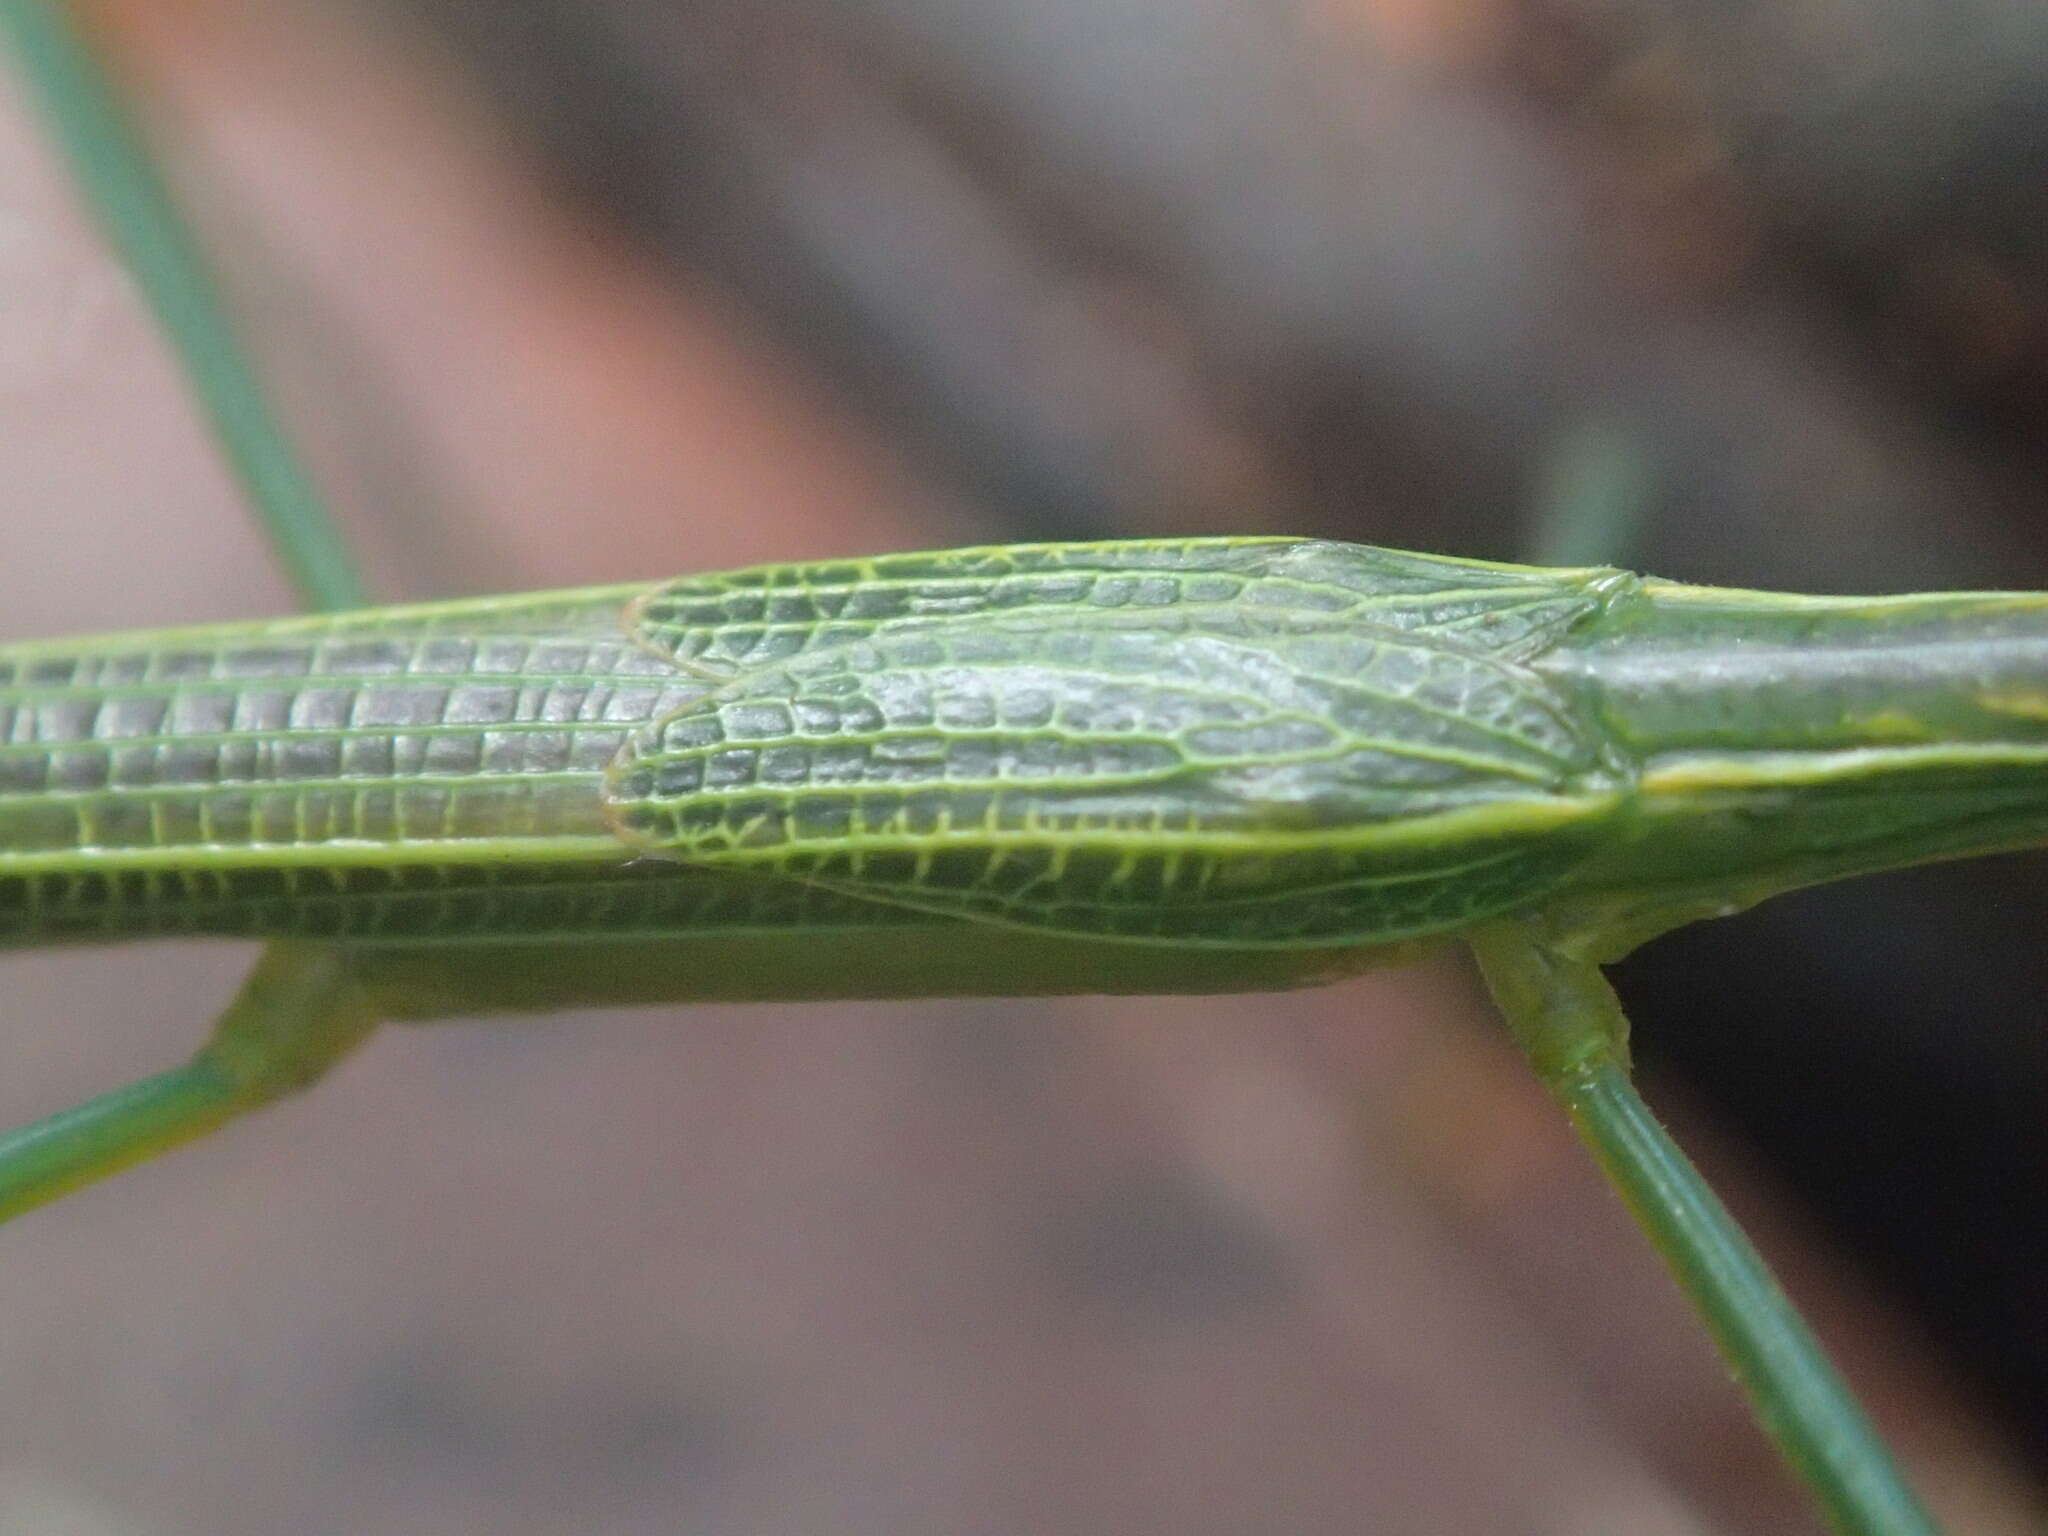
<point x="1568" y="1021"/>
<point x="116" y="175"/>
<point x="298" y="1014"/>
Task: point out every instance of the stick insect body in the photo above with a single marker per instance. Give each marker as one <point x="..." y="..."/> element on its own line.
<point x="1156" y="767"/>
<point x="1166" y="766"/>
<point x="1195" y="765"/>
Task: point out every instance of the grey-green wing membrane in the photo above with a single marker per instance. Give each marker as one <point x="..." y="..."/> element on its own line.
<point x="723" y="623"/>
<point x="1249" y="742"/>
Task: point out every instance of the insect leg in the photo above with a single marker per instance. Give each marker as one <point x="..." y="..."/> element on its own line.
<point x="1566" y="1018"/>
<point x="299" y="1012"/>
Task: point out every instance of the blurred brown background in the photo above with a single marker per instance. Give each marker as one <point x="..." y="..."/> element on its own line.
<point x="566" y="292"/>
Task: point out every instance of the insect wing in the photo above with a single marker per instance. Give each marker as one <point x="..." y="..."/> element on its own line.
<point x="1120" y="776"/>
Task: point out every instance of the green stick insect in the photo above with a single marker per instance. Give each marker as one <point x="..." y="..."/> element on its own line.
<point x="1167" y="767"/>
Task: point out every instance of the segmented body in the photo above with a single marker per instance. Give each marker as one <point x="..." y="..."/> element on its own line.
<point x="1242" y="742"/>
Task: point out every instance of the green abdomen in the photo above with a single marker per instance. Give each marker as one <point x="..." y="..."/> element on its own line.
<point x="399" y="770"/>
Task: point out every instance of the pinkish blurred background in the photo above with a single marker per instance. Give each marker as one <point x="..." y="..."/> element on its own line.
<point x="569" y="292"/>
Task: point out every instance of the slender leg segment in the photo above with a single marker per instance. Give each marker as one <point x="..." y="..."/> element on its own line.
<point x="298" y="1014"/>
<point x="1569" y="1023"/>
<point x="119" y="178"/>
